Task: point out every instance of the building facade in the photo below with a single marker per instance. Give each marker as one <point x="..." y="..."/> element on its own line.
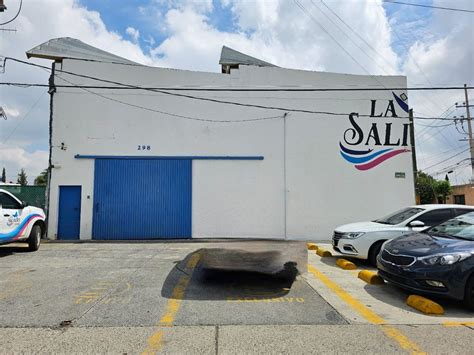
<point x="462" y="195"/>
<point x="243" y="153"/>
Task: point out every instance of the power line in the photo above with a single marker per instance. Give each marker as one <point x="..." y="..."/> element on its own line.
<point x="269" y="89"/>
<point x="177" y="115"/>
<point x="382" y="11"/>
<point x="429" y="6"/>
<point x="22" y="119"/>
<point x="13" y="19"/>
<point x="367" y="43"/>
<point x="342" y="31"/>
<point x="431" y="126"/>
<point x="307" y="13"/>
<point x="451" y="157"/>
<point x="160" y="90"/>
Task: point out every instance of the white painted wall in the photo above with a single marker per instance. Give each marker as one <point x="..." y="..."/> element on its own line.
<point x="233" y="198"/>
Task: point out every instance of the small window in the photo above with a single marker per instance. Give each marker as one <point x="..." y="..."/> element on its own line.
<point x="459" y="199"/>
<point x="8" y="202"/>
<point x="461" y="211"/>
<point x="435" y="217"/>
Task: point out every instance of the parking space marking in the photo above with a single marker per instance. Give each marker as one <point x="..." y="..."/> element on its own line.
<point x="368" y="314"/>
<point x="120" y="295"/>
<point x="266" y="300"/>
<point x="155" y="341"/>
<point x="458" y="324"/>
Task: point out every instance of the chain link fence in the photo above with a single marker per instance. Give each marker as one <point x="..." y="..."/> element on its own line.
<point x="33" y="195"/>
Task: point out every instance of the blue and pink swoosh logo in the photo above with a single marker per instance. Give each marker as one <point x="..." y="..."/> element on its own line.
<point x="368" y="159"/>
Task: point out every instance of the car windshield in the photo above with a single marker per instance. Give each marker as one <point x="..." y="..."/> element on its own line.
<point x="399" y="216"/>
<point x="461" y="227"/>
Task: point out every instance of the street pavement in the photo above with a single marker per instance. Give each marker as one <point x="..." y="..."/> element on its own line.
<point x="153" y="297"/>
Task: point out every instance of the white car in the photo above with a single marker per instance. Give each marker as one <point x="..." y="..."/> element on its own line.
<point x="20" y="222"/>
<point x="363" y="240"/>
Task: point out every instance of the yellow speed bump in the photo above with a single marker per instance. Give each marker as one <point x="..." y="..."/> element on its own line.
<point x="312" y="246"/>
<point x="424" y="305"/>
<point x="323" y="252"/>
<point x="345" y="264"/>
<point x="370" y="277"/>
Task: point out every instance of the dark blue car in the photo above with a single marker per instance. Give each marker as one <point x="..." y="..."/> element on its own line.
<point x="438" y="261"/>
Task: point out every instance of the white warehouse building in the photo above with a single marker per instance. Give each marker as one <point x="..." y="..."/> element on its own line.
<point x="256" y="151"/>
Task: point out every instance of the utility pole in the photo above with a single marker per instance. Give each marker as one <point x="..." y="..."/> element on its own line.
<point x="413" y="151"/>
<point x="469" y="130"/>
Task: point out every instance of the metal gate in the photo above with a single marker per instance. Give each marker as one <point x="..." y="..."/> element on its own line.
<point x="142" y="199"/>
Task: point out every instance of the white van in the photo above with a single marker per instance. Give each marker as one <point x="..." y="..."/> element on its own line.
<point x="20" y="222"/>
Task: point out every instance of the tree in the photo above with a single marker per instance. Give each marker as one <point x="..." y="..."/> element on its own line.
<point x="42" y="178"/>
<point x="424" y="187"/>
<point x="431" y="190"/>
<point x="4" y="175"/>
<point x="22" y="178"/>
<point x="442" y="189"/>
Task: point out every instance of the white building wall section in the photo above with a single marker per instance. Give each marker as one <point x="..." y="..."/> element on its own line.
<point x="234" y="198"/>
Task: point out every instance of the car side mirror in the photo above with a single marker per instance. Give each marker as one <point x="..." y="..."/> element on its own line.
<point x="416" y="224"/>
<point x="24" y="204"/>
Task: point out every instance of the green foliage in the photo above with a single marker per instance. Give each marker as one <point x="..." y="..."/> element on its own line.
<point x="42" y="179"/>
<point x="431" y="190"/>
<point x="424" y="187"/>
<point x="442" y="189"/>
<point x="22" y="178"/>
<point x="4" y="175"/>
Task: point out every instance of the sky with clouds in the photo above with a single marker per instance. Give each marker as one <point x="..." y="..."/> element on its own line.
<point x="432" y="47"/>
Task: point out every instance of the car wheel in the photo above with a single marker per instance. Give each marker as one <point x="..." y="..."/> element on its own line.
<point x="469" y="295"/>
<point x="34" y="239"/>
<point x="373" y="252"/>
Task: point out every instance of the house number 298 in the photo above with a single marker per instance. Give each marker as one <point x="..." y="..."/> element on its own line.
<point x="144" y="147"/>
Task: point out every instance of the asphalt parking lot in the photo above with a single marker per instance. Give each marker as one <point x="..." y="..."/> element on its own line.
<point x="154" y="297"/>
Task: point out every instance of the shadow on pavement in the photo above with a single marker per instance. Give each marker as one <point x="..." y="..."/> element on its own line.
<point x="10" y="249"/>
<point x="396" y="296"/>
<point x="216" y="284"/>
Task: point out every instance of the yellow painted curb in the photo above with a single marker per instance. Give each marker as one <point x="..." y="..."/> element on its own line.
<point x="370" y="277"/>
<point x="345" y="264"/>
<point x="312" y="246"/>
<point x="323" y="252"/>
<point x="424" y="305"/>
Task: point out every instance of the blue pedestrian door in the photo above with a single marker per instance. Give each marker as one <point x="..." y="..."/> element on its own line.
<point x="69" y="214"/>
<point x="142" y="199"/>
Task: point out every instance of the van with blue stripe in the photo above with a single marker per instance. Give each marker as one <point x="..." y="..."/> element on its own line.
<point x="20" y="222"/>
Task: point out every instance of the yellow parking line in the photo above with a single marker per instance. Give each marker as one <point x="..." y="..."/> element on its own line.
<point x="367" y="313"/>
<point x="458" y="324"/>
<point x="155" y="341"/>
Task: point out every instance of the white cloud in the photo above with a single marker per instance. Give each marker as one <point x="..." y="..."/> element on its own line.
<point x="14" y="159"/>
<point x="11" y="112"/>
<point x="133" y="33"/>
<point x="442" y="59"/>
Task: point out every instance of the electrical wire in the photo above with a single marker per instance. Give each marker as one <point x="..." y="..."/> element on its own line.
<point x="442" y="161"/>
<point x="308" y="13"/>
<point x="428" y="6"/>
<point x="286" y="109"/>
<point x="13" y="19"/>
<point x="174" y="114"/>
<point x="267" y="89"/>
<point x="22" y="119"/>
<point x="394" y="30"/>
<point x="348" y="37"/>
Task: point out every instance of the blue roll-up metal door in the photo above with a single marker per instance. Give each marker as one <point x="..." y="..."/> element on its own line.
<point x="142" y="199"/>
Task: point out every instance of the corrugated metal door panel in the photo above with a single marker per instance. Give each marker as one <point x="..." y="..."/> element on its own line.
<point x="142" y="199"/>
<point x="69" y="213"/>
